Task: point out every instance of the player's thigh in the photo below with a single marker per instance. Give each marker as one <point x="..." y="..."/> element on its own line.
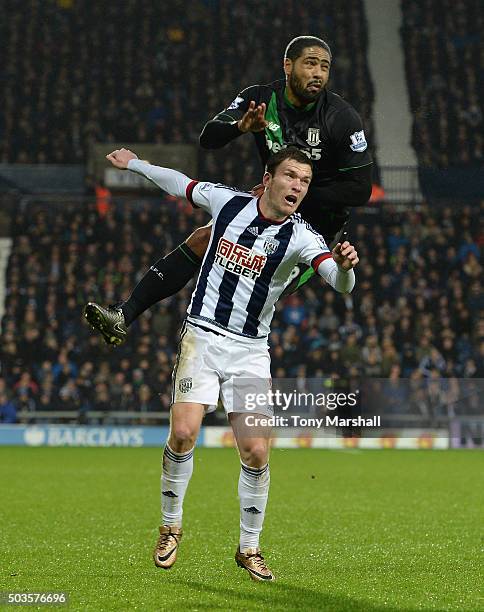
<point x="199" y="239"/>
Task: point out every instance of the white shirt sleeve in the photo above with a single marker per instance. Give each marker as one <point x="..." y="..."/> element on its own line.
<point x="201" y="194"/>
<point x="341" y="280"/>
<point x="316" y="254"/>
<point x="314" y="249"/>
<point x="212" y="197"/>
<point x="173" y="182"/>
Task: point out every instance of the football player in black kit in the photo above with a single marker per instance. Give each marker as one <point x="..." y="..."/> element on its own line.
<point x="297" y="110"/>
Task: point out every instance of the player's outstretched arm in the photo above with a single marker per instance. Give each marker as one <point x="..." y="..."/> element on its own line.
<point x="338" y="269"/>
<point x="173" y="182"/>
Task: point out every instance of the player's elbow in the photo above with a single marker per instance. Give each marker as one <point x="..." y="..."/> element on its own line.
<point x="206" y="139"/>
<point x="344" y="291"/>
<point x="365" y="193"/>
<point x="358" y="185"/>
<point x="361" y="193"/>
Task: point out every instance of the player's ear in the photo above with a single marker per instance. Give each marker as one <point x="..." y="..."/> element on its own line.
<point x="266" y="179"/>
<point x="287" y="66"/>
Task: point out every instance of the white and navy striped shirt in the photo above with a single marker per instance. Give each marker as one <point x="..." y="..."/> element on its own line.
<point x="249" y="258"/>
<point x="248" y="261"/>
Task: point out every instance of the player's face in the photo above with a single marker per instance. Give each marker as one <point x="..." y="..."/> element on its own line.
<point x="308" y="74"/>
<point x="287" y="188"/>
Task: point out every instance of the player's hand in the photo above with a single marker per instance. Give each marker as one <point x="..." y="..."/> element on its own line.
<point x="253" y="120"/>
<point x="121" y="157"/>
<point x="257" y="191"/>
<point x="345" y="255"/>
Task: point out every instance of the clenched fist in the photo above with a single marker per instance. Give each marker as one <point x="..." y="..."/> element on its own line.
<point x="121" y="157"/>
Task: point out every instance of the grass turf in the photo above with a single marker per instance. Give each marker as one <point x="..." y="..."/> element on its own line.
<point x="345" y="530"/>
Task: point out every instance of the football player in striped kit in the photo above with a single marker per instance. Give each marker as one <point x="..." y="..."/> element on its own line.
<point x="295" y="111"/>
<point x="255" y="242"/>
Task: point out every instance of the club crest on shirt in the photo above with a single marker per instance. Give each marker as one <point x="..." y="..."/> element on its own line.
<point x="313" y="138"/>
<point x="185" y="385"/>
<point x="270" y="246"/>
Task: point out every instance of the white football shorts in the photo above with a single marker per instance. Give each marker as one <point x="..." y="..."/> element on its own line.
<point x="210" y="366"/>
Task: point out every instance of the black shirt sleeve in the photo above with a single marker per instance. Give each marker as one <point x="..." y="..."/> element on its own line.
<point x="348" y="188"/>
<point x="348" y="136"/>
<point x="223" y="127"/>
<point x="351" y="186"/>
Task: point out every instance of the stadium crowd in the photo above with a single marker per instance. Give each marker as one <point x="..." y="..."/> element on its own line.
<point x="416" y="312"/>
<point x="441" y="40"/>
<point x="124" y="55"/>
<point x="136" y="71"/>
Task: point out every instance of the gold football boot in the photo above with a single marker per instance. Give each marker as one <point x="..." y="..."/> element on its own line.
<point x="164" y="554"/>
<point x="254" y="563"/>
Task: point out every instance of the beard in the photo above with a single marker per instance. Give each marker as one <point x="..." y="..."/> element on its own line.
<point x="301" y="92"/>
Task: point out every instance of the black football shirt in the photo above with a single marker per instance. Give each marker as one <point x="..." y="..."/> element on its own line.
<point x="328" y="130"/>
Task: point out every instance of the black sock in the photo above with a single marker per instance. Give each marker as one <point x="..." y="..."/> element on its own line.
<point x="166" y="277"/>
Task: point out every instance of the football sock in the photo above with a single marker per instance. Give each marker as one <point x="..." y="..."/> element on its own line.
<point x="164" y="278"/>
<point x="176" y="474"/>
<point x="253" y="493"/>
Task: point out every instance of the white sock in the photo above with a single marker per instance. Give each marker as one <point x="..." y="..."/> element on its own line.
<point x="176" y="474"/>
<point x="253" y="493"/>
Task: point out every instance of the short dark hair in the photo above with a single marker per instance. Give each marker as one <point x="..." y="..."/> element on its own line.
<point x="287" y="153"/>
<point x="295" y="48"/>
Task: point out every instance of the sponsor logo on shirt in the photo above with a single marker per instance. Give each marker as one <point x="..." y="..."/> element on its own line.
<point x="239" y="259"/>
<point x="358" y="142"/>
<point x="314" y="153"/>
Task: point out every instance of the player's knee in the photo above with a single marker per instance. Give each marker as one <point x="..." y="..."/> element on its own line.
<point x="256" y="454"/>
<point x="182" y="437"/>
<point x="198" y="241"/>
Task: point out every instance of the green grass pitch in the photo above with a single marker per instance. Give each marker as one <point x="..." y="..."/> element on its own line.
<point x="344" y="530"/>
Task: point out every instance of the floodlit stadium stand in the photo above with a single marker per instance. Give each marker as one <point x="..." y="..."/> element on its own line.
<point x="441" y="40"/>
<point x="103" y="72"/>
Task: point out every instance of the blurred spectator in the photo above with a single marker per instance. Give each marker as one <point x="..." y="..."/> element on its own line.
<point x="146" y="401"/>
<point x="8" y="412"/>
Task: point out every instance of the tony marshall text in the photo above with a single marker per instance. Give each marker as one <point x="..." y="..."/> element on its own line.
<point x="252" y="420"/>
